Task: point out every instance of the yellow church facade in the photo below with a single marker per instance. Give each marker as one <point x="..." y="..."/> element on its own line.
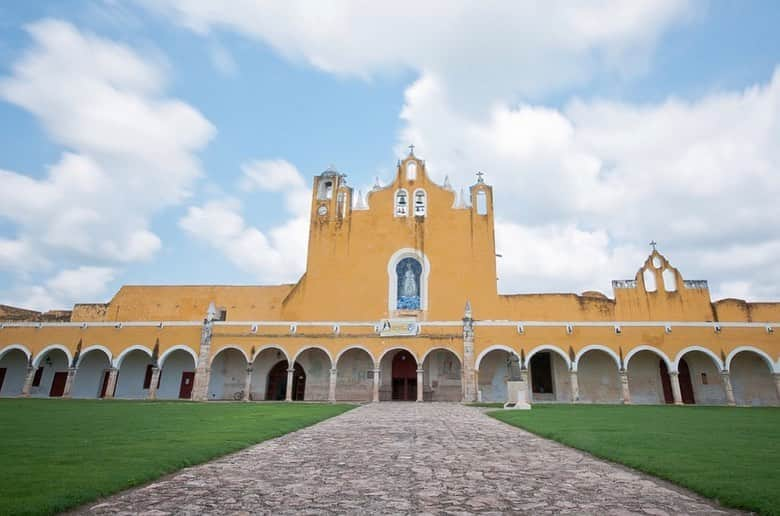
<point x="399" y="302"/>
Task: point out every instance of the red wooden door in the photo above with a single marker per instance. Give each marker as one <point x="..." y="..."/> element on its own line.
<point x="2" y="377"/>
<point x="277" y="382"/>
<point x="187" y="380"/>
<point x="666" y="383"/>
<point x="58" y="384"/>
<point x="404" y="377"/>
<point x="104" y="386"/>
<point x="686" y="387"/>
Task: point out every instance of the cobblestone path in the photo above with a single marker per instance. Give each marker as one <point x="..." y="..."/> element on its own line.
<point x="407" y="458"/>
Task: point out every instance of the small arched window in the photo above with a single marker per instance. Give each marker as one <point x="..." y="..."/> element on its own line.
<point x="341" y="204"/>
<point x="481" y="203"/>
<point x="670" y="280"/>
<point x="411" y="171"/>
<point x="325" y="190"/>
<point x="649" y="277"/>
<point x="419" y="203"/>
<point x="401" y="203"/>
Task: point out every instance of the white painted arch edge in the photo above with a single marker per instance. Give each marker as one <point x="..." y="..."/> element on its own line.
<point x="12" y="347"/>
<point x="704" y="350"/>
<point x="595" y="347"/>
<point x="441" y="348"/>
<point x="93" y="348"/>
<point x="137" y="347"/>
<point x="494" y="347"/>
<point x="307" y="348"/>
<point x="774" y="367"/>
<point x="277" y="347"/>
<point x="179" y="347"/>
<point x="47" y="349"/>
<point x="356" y="346"/>
<point x="656" y="351"/>
<point x="397" y="348"/>
<point x="229" y="347"/>
<point x="548" y="347"/>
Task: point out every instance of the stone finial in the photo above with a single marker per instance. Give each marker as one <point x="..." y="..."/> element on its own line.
<point x="467" y="310"/>
<point x="447" y="184"/>
<point x="360" y="203"/>
<point x="377" y="184"/>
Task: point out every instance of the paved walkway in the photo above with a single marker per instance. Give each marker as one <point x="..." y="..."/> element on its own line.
<point x="407" y="458"/>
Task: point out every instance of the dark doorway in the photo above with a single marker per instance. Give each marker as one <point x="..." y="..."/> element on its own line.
<point x="541" y="373"/>
<point x="58" y="384"/>
<point x="187" y="382"/>
<point x="404" y="377"/>
<point x="666" y="383"/>
<point x="104" y="385"/>
<point x="2" y="377"/>
<point x="276" y="388"/>
<point x="686" y="387"/>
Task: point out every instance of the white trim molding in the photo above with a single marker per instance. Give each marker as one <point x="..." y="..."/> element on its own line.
<point x="392" y="276"/>
<point x="595" y="347"/>
<point x="42" y="353"/>
<point x="773" y="367"/>
<point x="179" y="347"/>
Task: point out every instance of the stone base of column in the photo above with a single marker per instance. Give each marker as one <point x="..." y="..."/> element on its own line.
<point x="517" y="395"/>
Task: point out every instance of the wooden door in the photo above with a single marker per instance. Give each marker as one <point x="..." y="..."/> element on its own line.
<point x="404" y="376"/>
<point x="185" y="389"/>
<point x="58" y="384"/>
<point x="276" y="386"/>
<point x="2" y="377"/>
<point x="686" y="387"/>
<point x="104" y="385"/>
<point x="299" y="383"/>
<point x="666" y="382"/>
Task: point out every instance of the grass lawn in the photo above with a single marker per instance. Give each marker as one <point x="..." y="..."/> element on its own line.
<point x="57" y="454"/>
<point x="729" y="454"/>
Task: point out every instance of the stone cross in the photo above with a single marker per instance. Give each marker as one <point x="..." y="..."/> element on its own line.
<point x="479" y="177"/>
<point x="653" y="243"/>
<point x="411" y="150"/>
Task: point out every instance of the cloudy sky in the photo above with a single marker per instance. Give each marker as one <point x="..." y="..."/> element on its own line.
<point x="174" y="141"/>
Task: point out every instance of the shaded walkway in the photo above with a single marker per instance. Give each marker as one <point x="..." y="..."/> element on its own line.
<point x="408" y="457"/>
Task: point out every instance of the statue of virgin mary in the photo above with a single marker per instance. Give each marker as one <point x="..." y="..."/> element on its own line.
<point x="409" y="285"/>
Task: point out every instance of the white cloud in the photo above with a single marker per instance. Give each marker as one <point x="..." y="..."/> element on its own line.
<point x="82" y="284"/>
<point x="275" y="256"/>
<point x="130" y="152"/>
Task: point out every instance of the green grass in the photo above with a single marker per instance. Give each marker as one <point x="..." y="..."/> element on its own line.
<point x="57" y="454"/>
<point x="485" y="404"/>
<point x="728" y="454"/>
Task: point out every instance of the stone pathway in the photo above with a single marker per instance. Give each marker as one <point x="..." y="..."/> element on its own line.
<point x="399" y="458"/>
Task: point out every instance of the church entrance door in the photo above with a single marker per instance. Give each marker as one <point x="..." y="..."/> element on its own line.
<point x="276" y="388"/>
<point x="404" y="377"/>
<point x="541" y="375"/>
<point x="58" y="384"/>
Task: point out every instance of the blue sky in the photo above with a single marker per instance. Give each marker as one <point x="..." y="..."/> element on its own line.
<point x="174" y="142"/>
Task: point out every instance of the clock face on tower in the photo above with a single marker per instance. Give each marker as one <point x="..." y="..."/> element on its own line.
<point x="322" y="210"/>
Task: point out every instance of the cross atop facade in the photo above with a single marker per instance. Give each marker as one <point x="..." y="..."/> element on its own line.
<point x="479" y="177"/>
<point x="653" y="243"/>
<point x="411" y="150"/>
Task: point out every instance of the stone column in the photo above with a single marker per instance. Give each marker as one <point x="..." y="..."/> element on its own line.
<point x="111" y="384"/>
<point x="420" y="380"/>
<point x="332" y="385"/>
<point x="69" y="382"/>
<point x="575" y="386"/>
<point x="469" y="375"/>
<point x="676" y="394"/>
<point x="290" y="380"/>
<point x="725" y="377"/>
<point x="152" y="394"/>
<point x="624" y="387"/>
<point x="776" y="377"/>
<point x="28" y="381"/>
<point x="247" y="383"/>
<point x="375" y="396"/>
<point x="202" y="370"/>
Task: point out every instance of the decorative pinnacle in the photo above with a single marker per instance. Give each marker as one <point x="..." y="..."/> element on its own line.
<point x="411" y="150"/>
<point x="467" y="310"/>
<point x="653" y="243"/>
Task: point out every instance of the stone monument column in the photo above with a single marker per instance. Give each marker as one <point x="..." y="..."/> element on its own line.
<point x="111" y="383"/>
<point x="375" y="395"/>
<point x="575" y="386"/>
<point x="676" y="394"/>
<point x="469" y="377"/>
<point x="725" y="377"/>
<point x="290" y="379"/>
<point x="776" y="377"/>
<point x="152" y="395"/>
<point x="420" y="380"/>
<point x="624" y="387"/>
<point x="202" y="370"/>
<point x="248" y="383"/>
<point x="332" y="385"/>
<point x="28" y="380"/>
<point x="69" y="382"/>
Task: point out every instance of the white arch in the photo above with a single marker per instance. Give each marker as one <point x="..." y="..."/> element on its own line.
<point x="762" y="354"/>
<point x="12" y="347"/>
<point x="271" y="346"/>
<point x="422" y="360"/>
<point x="327" y="353"/>
<point x="487" y="350"/>
<point x="338" y="356"/>
<point x="645" y="347"/>
<point x="96" y="347"/>
<point x="179" y="347"/>
<point x="392" y="276"/>
<point x="118" y="360"/>
<point x="704" y="350"/>
<point x="45" y="350"/>
<point x="395" y="348"/>
<point x="595" y="347"/>
<point x="231" y="346"/>
<point x="548" y="347"/>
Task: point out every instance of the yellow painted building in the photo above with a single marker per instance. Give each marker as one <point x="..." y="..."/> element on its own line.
<point x="399" y="301"/>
